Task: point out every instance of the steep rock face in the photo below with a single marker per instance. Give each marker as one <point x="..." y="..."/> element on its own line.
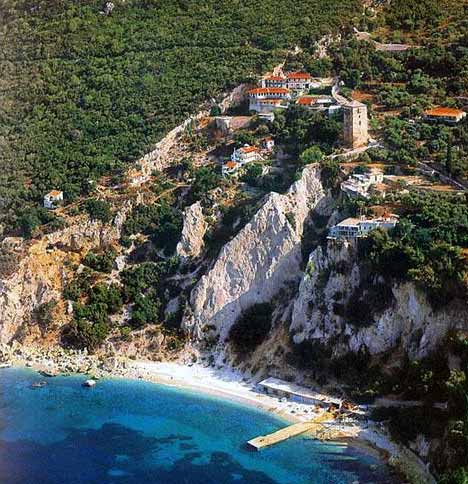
<point x="407" y="322"/>
<point x="193" y="231"/>
<point x="42" y="273"/>
<point x="263" y="257"/>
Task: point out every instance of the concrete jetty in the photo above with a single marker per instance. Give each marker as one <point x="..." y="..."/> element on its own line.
<point x="291" y="431"/>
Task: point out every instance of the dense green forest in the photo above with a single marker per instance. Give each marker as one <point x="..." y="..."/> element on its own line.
<point x="84" y="93"/>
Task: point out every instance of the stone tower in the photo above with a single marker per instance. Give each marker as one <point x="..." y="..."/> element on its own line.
<point x="355" y="124"/>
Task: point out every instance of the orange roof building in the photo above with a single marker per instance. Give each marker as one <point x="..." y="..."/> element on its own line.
<point x="299" y="75"/>
<point x="307" y="100"/>
<point x="269" y="91"/>
<point x="440" y="113"/>
<point x="246" y="154"/>
<point x="53" y="199"/>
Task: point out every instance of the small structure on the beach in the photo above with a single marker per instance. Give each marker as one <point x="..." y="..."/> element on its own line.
<point x="444" y="115"/>
<point x="281" y="388"/>
<point x="53" y="199"/>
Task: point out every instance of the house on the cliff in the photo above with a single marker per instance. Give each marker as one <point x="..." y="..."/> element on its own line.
<point x="355" y="228"/>
<point x="245" y="155"/>
<point x="239" y="158"/>
<point x="53" y="199"/>
<point x="358" y="185"/>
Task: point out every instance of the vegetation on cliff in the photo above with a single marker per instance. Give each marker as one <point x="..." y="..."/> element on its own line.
<point x="86" y="93"/>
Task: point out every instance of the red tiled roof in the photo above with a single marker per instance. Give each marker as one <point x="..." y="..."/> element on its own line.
<point x="269" y="90"/>
<point x="441" y="111"/>
<point x="54" y="193"/>
<point x="248" y="149"/>
<point x="231" y="164"/>
<point x="299" y="75"/>
<point x="306" y="100"/>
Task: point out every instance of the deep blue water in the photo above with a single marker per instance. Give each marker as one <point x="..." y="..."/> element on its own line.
<point x="132" y="432"/>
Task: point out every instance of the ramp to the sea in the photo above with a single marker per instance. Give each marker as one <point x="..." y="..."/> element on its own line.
<point x="291" y="431"/>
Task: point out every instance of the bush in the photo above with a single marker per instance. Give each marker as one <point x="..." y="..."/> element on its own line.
<point x="251" y="328"/>
<point x="330" y="171"/>
<point x="160" y="221"/>
<point x="81" y="334"/>
<point x="100" y="262"/>
<point x="98" y="210"/>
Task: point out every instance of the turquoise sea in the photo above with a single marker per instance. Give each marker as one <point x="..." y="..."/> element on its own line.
<point x="132" y="432"/>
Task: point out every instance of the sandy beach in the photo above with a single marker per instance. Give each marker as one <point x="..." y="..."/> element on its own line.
<point x="225" y="383"/>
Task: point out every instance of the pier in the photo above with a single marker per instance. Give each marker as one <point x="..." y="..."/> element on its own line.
<point x="291" y="431"/>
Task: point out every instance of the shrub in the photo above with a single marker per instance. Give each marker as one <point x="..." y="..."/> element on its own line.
<point x="100" y="262"/>
<point x="251" y="328"/>
<point x="98" y="210"/>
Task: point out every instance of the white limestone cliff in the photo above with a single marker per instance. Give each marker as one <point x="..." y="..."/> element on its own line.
<point x="263" y="257"/>
<point x="407" y="323"/>
<point x="193" y="231"/>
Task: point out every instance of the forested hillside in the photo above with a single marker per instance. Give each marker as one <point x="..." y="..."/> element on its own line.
<point x="83" y="93"/>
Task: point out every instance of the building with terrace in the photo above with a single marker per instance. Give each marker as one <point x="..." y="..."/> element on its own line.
<point x="245" y="155"/>
<point x="298" y="81"/>
<point x="266" y="99"/>
<point x="358" y="185"/>
<point x="355" y="228"/>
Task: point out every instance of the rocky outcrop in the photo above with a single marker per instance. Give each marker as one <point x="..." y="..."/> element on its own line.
<point x="43" y="271"/>
<point x="264" y="257"/>
<point x="325" y="300"/>
<point x="193" y="232"/>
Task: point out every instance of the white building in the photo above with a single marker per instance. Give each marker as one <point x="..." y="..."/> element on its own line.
<point x="266" y="99"/>
<point x="358" y="185"/>
<point x="268" y="143"/>
<point x="267" y="116"/>
<point x="299" y="81"/>
<point x="245" y="155"/>
<point x="229" y="168"/>
<point x="354" y="228"/>
<point x="53" y="199"/>
<point x="274" y="81"/>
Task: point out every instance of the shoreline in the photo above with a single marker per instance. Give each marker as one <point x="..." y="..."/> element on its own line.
<point x="229" y="385"/>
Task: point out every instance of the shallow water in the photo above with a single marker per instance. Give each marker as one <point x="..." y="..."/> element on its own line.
<point x="132" y="432"/>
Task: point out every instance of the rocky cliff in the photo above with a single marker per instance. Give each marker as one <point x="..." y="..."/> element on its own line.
<point x="193" y="232"/>
<point x="340" y="306"/>
<point x="44" y="268"/>
<point x="264" y="257"/>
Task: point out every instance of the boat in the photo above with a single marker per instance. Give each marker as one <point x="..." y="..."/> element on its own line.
<point x="89" y="383"/>
<point x="39" y="384"/>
